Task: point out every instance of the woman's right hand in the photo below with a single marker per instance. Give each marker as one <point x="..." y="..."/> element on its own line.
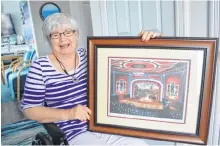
<point x="79" y="112"/>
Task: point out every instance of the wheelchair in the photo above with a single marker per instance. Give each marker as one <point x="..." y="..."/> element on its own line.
<point x="54" y="137"/>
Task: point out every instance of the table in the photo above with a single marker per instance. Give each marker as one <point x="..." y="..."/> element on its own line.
<point x="10" y="57"/>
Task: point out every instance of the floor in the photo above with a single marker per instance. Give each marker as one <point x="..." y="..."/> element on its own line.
<point x="10" y="109"/>
<point x="15" y="128"/>
<point x="10" y="113"/>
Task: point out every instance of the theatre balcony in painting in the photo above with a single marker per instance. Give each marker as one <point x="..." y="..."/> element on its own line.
<point x="148" y="89"/>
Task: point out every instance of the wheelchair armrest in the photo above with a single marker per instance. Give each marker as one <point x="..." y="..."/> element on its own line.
<point x="53" y="130"/>
<point x="57" y="135"/>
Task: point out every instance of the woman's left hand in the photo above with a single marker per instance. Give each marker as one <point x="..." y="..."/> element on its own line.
<point x="147" y="35"/>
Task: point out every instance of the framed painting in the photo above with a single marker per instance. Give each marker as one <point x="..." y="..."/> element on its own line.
<point x="161" y="89"/>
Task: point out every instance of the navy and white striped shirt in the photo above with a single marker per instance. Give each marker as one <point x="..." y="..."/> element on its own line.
<point x="45" y="84"/>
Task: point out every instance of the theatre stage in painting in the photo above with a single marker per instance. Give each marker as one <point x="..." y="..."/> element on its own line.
<point x="148" y="89"/>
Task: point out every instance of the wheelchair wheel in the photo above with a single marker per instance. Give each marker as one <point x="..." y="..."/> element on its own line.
<point x="42" y="139"/>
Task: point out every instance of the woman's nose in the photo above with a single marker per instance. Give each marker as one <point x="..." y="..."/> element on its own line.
<point x="62" y="36"/>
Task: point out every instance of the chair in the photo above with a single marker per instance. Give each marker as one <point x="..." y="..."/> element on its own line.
<point x="2" y="72"/>
<point x="16" y="79"/>
<point x="21" y="77"/>
<point x="6" y="63"/>
<point x="16" y="64"/>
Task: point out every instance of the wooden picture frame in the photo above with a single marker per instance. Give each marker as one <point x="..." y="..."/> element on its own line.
<point x="161" y="89"/>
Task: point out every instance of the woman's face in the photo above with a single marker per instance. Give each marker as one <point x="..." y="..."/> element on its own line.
<point x="63" y="44"/>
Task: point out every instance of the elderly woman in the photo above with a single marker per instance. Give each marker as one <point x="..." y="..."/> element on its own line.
<point x="60" y="80"/>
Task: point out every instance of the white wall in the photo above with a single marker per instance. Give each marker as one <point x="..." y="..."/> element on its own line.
<point x="42" y="47"/>
<point x="80" y="10"/>
<point x="12" y="7"/>
<point x="173" y="18"/>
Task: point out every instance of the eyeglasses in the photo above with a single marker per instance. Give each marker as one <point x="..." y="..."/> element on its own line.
<point x="65" y="33"/>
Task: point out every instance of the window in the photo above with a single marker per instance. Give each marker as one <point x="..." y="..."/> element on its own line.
<point x="120" y="86"/>
<point x="172" y="90"/>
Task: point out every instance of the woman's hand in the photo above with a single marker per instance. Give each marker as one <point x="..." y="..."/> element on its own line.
<point x="147" y="35"/>
<point x="79" y="112"/>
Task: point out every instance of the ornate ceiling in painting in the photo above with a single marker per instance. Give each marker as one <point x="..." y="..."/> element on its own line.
<point x="145" y="65"/>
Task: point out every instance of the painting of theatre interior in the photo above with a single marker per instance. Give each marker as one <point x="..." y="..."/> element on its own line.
<point x="148" y="89"/>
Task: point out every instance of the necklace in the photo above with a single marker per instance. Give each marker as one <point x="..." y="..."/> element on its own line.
<point x="74" y="79"/>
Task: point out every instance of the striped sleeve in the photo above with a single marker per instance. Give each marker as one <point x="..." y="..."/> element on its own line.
<point x="34" y="90"/>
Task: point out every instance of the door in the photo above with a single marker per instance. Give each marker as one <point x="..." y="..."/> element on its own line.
<point x="128" y="18"/>
<point x="172" y="18"/>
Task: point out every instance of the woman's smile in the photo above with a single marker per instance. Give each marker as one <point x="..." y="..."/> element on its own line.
<point x="64" y="46"/>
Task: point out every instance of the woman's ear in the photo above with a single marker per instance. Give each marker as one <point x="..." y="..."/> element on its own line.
<point x="77" y="38"/>
<point x="77" y="34"/>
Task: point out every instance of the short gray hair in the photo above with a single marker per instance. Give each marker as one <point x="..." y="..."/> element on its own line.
<point x="58" y="20"/>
